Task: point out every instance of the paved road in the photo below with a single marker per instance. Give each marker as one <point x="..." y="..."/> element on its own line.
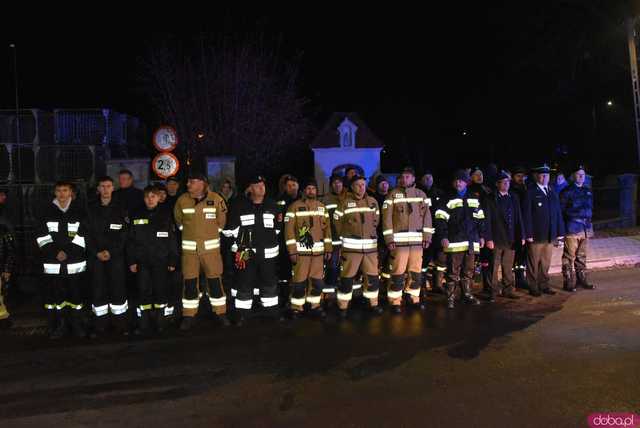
<point x="534" y="362"/>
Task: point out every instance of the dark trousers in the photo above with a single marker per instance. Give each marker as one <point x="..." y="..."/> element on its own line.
<point x="461" y="267"/>
<point x="63" y="293"/>
<point x="109" y="287"/>
<point x="259" y="273"/>
<point x="485" y="268"/>
<point x="153" y="292"/>
<point x="502" y="259"/>
<point x="283" y="274"/>
<point x="332" y="269"/>
<point x="520" y="262"/>
<point x="538" y="263"/>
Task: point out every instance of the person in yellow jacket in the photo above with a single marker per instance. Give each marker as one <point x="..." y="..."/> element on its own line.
<point x="407" y="230"/>
<point x="308" y="238"/>
<point x="201" y="215"/>
<point x="356" y="220"/>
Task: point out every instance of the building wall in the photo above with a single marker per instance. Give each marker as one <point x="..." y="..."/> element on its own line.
<point x="326" y="160"/>
<point x="139" y="167"/>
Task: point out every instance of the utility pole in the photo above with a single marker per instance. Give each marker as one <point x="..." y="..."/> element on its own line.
<point x="633" y="62"/>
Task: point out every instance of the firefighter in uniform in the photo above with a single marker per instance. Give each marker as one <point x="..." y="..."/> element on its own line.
<point x="434" y="260"/>
<point x="106" y="238"/>
<point x="63" y="247"/>
<point x="289" y="187"/>
<point x="201" y="215"/>
<point x="152" y="254"/>
<point x="407" y="231"/>
<point x="576" y="202"/>
<point x="331" y="201"/>
<point x="308" y="239"/>
<point x="255" y="224"/>
<point x="357" y="220"/>
<point x="7" y="261"/>
<point x="460" y="227"/>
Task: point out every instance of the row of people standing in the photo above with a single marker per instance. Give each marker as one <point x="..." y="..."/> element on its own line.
<point x="316" y="243"/>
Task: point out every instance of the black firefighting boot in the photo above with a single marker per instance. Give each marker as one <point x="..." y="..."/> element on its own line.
<point x="521" y="281"/>
<point x="162" y="321"/>
<point x="450" y="289"/>
<point x="582" y="280"/>
<point x="467" y="296"/>
<point x="437" y="280"/>
<point x="416" y="278"/>
<point x="119" y="324"/>
<point x="186" y="323"/>
<point x="100" y="325"/>
<point x="77" y="324"/>
<point x="568" y="280"/>
<point x="144" y="323"/>
<point x="57" y="326"/>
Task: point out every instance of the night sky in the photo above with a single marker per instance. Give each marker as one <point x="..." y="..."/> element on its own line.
<point x="523" y="80"/>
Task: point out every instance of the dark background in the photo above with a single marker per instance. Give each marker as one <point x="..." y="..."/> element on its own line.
<point x="524" y="81"/>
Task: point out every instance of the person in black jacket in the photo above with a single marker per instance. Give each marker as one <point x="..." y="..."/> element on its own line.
<point x="460" y="228"/>
<point x="152" y="253"/>
<point x="106" y="237"/>
<point x="544" y="228"/>
<point x="519" y="187"/>
<point x="254" y="224"/>
<point x="7" y="261"/>
<point x="434" y="260"/>
<point x="60" y="235"/>
<point x="129" y="197"/>
<point x="507" y="229"/>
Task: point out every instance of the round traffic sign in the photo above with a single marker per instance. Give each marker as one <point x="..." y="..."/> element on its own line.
<point x="165" y="139"/>
<point x="165" y="165"/>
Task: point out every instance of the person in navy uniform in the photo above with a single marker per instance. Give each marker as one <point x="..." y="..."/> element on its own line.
<point x="507" y="231"/>
<point x="576" y="201"/>
<point x="544" y="228"/>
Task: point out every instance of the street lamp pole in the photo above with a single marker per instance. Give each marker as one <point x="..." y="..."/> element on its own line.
<point x="633" y="62"/>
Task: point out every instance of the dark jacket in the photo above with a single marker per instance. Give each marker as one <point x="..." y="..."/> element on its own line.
<point x="255" y="226"/>
<point x="130" y="199"/>
<point x="106" y="229"/>
<point x="152" y="238"/>
<point x="62" y="231"/>
<point x="505" y="232"/>
<point x="542" y="215"/>
<point x="461" y="220"/>
<point x="577" y="208"/>
<point x="7" y="248"/>
<point x="436" y="197"/>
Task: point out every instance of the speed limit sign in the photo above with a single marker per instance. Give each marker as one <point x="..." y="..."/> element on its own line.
<point x="165" y="139"/>
<point x="165" y="165"/>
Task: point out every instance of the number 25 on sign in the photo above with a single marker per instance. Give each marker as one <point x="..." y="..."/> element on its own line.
<point x="165" y="165"/>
